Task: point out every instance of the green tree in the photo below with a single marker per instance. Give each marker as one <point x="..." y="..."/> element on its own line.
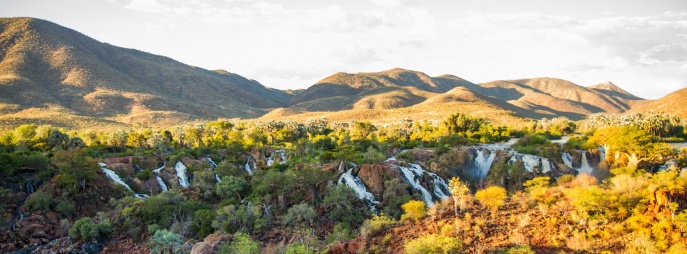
<point x="241" y="244"/>
<point x="76" y="169"/>
<point x="86" y="229"/>
<point x="301" y="214"/>
<point x="231" y="186"/>
<point x="166" y="242"/>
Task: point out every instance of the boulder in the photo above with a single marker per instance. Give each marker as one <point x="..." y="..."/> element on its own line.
<point x="211" y="244"/>
<point x="373" y="177"/>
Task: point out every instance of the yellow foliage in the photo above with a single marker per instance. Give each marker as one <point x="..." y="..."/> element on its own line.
<point x="413" y="210"/>
<point x="492" y="197"/>
<point x="433" y="243"/>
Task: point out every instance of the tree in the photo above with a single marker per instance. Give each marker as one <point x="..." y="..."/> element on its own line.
<point x="460" y="193"/>
<point x="413" y="210"/>
<point x="86" y="229"/>
<point x="492" y="197"/>
<point x="299" y="215"/>
<point x="242" y="244"/>
<point x="433" y="243"/>
<point x="164" y="241"/>
<point x="76" y="169"/>
<point x="231" y="186"/>
<point x="339" y="202"/>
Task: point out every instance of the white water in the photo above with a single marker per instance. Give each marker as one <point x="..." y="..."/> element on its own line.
<point x="214" y="166"/>
<point x="602" y="153"/>
<point x="180" y="168"/>
<point x="482" y="163"/>
<point x="247" y="165"/>
<point x="162" y="184"/>
<point x="112" y="175"/>
<point x="531" y="162"/>
<point x="500" y="146"/>
<point x="412" y="176"/>
<point x="567" y="159"/>
<point x="282" y="154"/>
<point x="270" y="161"/>
<point x="584" y="164"/>
<point x="358" y="186"/>
<point x="157" y="171"/>
<point x="562" y="141"/>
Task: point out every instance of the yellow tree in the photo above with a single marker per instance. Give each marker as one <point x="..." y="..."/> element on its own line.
<point x="492" y="197"/>
<point x="460" y="193"/>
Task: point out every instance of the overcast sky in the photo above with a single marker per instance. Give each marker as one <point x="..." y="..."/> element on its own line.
<point x="639" y="45"/>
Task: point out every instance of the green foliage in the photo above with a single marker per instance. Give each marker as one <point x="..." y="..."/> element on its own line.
<point x="492" y="197"/>
<point x="520" y="249"/>
<point x="40" y="201"/>
<point x="340" y="202"/>
<point x="86" y="229"/>
<point x="301" y="214"/>
<point x="77" y="170"/>
<point x="433" y="243"/>
<point x="340" y="233"/>
<point x="241" y="244"/>
<point x="376" y="224"/>
<point x="145" y="174"/>
<point x="166" y="242"/>
<point x="413" y="210"/>
<point x="202" y="222"/>
<point x="65" y="208"/>
<point x="395" y="195"/>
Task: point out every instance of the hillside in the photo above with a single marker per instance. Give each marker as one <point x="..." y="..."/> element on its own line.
<point x="673" y="103"/>
<point x="557" y="97"/>
<point x="67" y="75"/>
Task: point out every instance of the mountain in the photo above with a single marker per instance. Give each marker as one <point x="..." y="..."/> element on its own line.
<point x="673" y="103"/>
<point x="54" y="75"/>
<point x="611" y="89"/>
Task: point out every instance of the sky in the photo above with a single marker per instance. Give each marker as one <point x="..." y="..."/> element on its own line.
<point x="638" y="45"/>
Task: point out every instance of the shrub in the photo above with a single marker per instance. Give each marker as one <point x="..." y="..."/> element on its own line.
<point x="65" y="208"/>
<point x="433" y="243"/>
<point x="492" y="197"/>
<point x="202" y="222"/>
<point x="86" y="229"/>
<point x="376" y="224"/>
<point x="520" y="249"/>
<point x="299" y="214"/>
<point x="340" y="233"/>
<point x="242" y="243"/>
<point x="39" y="201"/>
<point x="164" y="241"/>
<point x="413" y="210"/>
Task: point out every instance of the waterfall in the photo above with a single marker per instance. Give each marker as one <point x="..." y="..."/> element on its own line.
<point x="282" y="154"/>
<point x="359" y="187"/>
<point x="162" y="184"/>
<point x="482" y="163"/>
<point x="531" y="162"/>
<point x="412" y="176"/>
<point x="180" y="168"/>
<point x="441" y="189"/>
<point x="584" y="164"/>
<point x="270" y="160"/>
<point x="29" y="188"/>
<point x="602" y="153"/>
<point x="112" y="175"/>
<point x="567" y="159"/>
<point x="247" y="165"/>
<point x="214" y="166"/>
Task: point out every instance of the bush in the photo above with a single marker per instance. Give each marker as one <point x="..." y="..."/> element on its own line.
<point x="520" y="249"/>
<point x="202" y="222"/>
<point x="39" y="201"/>
<point x="413" y="210"/>
<point x="242" y="243"/>
<point x="164" y="241"/>
<point x="376" y="224"/>
<point x="65" y="208"/>
<point x="492" y="197"/>
<point x="340" y="233"/>
<point x="433" y="243"/>
<point x="86" y="229"/>
<point x="299" y="214"/>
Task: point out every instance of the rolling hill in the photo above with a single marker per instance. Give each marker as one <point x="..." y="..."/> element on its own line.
<point x="673" y="103"/>
<point x="75" y="81"/>
<point x="50" y="74"/>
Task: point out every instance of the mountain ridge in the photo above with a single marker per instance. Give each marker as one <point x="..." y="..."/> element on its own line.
<point x="69" y="77"/>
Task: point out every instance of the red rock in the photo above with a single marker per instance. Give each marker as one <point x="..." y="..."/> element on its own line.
<point x="373" y="177"/>
<point x="211" y="244"/>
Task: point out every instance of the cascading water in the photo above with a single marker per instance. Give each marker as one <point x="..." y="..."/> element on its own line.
<point x="180" y="168"/>
<point x="112" y="175"/>
<point x="483" y="163"/>
<point x="412" y="175"/>
<point x="214" y="166"/>
<point x="29" y="188"/>
<point x="162" y="184"/>
<point x="270" y="160"/>
<point x="584" y="164"/>
<point x="246" y="166"/>
<point x="567" y="159"/>
<point x="531" y="162"/>
<point x="282" y="154"/>
<point x="358" y="186"/>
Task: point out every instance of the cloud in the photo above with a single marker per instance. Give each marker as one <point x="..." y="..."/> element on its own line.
<point x="394" y="3"/>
